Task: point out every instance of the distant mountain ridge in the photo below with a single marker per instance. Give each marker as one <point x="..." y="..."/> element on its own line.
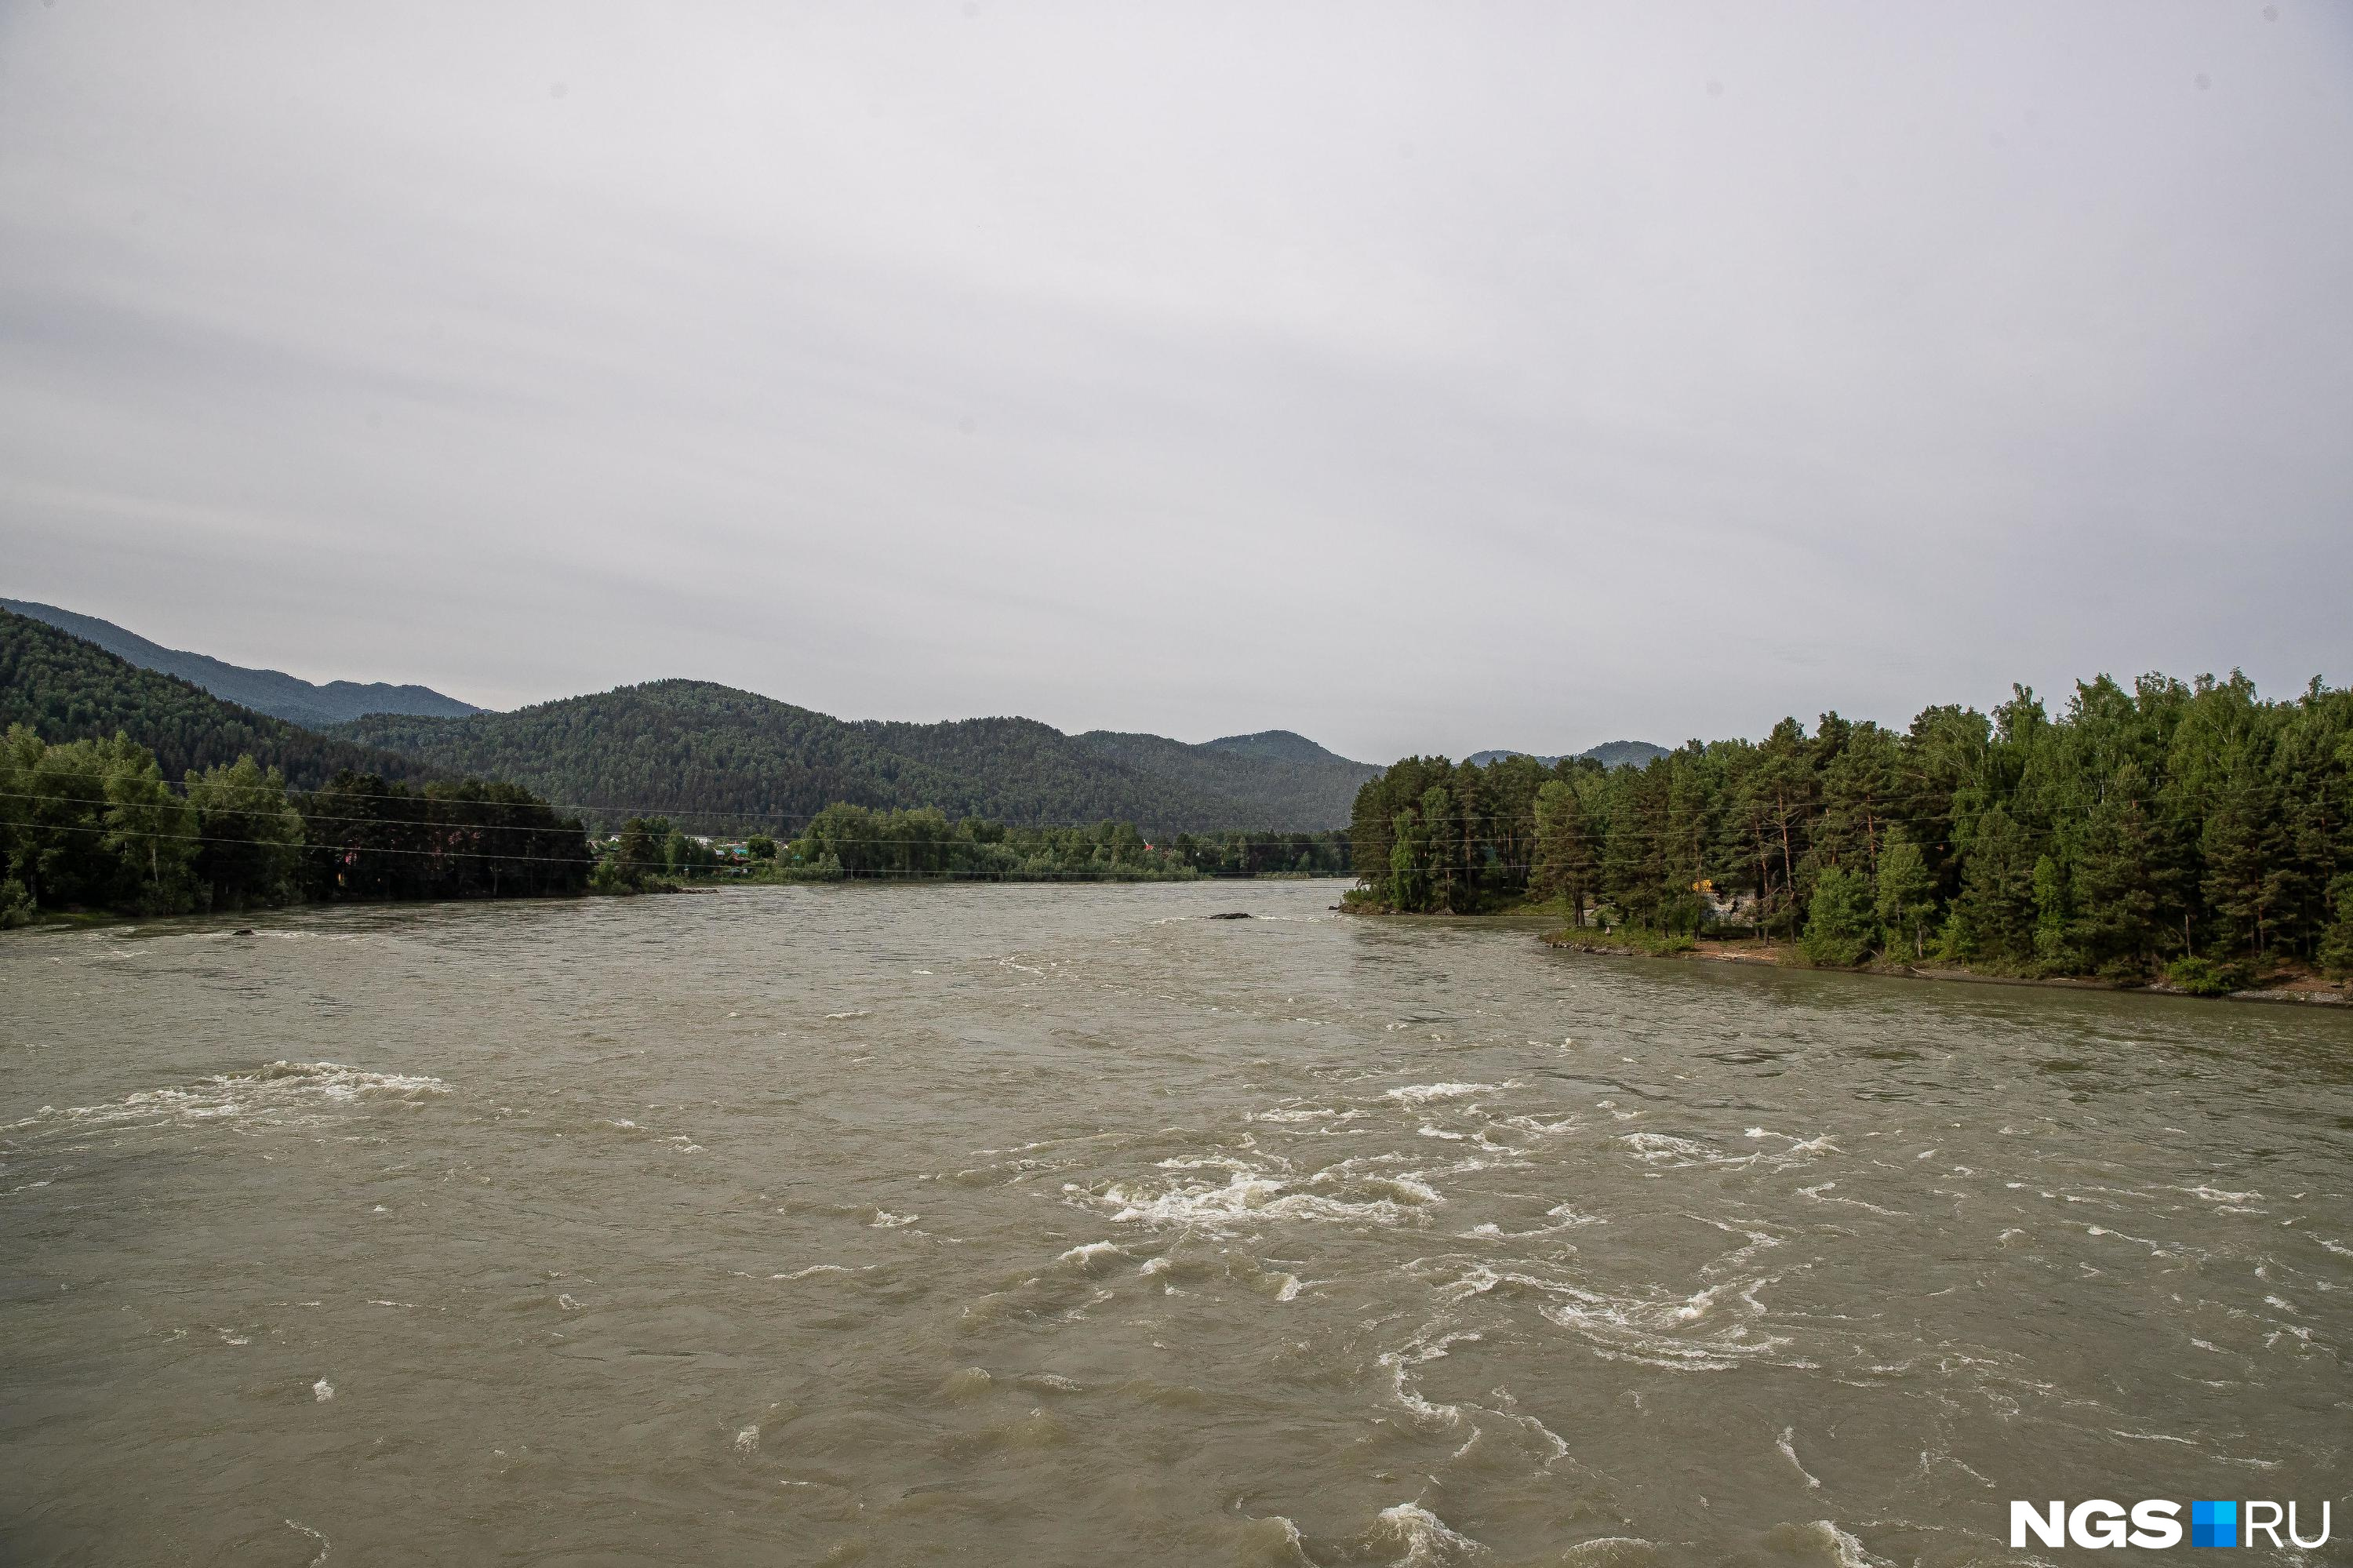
<point x="1287" y="778"/>
<point x="1609" y="754"/>
<point x="69" y="688"/>
<point x="270" y="692"/>
<point x="717" y="758"/>
<point x="722" y="758"/>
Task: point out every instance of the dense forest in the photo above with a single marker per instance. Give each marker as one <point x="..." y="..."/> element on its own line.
<point x="847" y="841"/>
<point x="97" y="825"/>
<point x="1280" y="780"/>
<point x="65" y="688"/>
<point x="270" y="692"/>
<point x="732" y="761"/>
<point x="2194" y="829"/>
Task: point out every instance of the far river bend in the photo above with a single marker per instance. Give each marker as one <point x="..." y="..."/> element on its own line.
<point x="1046" y="1226"/>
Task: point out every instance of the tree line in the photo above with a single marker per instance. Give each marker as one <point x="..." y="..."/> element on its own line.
<point x="97" y="825"/>
<point x="69" y="689"/>
<point x="845" y="841"/>
<point x="2192" y="828"/>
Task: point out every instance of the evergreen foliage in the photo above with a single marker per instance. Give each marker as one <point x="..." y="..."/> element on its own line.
<point x="270" y="692"/>
<point x="846" y="841"/>
<point x="67" y="689"/>
<point x="2191" y="829"/>
<point x="725" y="761"/>
<point x="93" y="825"/>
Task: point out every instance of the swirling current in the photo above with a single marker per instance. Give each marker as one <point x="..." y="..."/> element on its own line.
<point x="1045" y="1225"/>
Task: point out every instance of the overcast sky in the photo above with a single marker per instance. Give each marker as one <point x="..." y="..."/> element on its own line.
<point x="1419" y="377"/>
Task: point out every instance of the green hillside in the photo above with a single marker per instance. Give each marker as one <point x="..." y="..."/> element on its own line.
<point x="720" y="759"/>
<point x="1288" y="780"/>
<point x="271" y="692"/>
<point x="69" y="689"/>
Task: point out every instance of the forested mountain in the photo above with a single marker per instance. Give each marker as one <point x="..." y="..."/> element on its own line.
<point x="270" y="692"/>
<point x="722" y="759"/>
<point x="69" y="689"/>
<point x="1609" y="754"/>
<point x="2193" y="827"/>
<point x="1287" y="779"/>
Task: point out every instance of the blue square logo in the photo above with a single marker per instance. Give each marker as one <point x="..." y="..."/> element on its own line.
<point x="2214" y="1524"/>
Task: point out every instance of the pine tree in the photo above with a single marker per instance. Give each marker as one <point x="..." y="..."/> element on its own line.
<point x="1838" y="928"/>
<point x="1994" y="917"/>
<point x="2241" y="845"/>
<point x="1565" y="863"/>
<point x="2117" y="878"/>
<point x="1906" y="892"/>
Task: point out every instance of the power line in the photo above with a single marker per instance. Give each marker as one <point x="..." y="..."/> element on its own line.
<point x="1140" y="874"/>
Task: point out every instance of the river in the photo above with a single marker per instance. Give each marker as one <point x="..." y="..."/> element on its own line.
<point x="1047" y="1225"/>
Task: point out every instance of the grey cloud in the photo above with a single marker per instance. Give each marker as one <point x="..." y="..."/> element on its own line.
<point x="1416" y="378"/>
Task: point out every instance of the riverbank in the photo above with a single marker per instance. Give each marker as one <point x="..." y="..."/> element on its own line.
<point x="2289" y="985"/>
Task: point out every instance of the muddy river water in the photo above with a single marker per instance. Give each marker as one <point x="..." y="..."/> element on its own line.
<point x="1047" y="1225"/>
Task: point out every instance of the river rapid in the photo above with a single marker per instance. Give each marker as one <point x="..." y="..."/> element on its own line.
<point x="1049" y="1226"/>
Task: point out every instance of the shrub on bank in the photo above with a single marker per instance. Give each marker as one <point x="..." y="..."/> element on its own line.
<point x="2202" y="977"/>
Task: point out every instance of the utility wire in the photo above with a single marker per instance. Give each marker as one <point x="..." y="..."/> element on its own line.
<point x="332" y="849"/>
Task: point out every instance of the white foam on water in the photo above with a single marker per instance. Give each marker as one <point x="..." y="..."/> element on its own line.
<point x="318" y="1535"/>
<point x="1087" y="1254"/>
<point x="1427" y="1539"/>
<point x="747" y="1440"/>
<point x="1846" y="1551"/>
<point x="281" y="1090"/>
<point x="1345" y="1192"/>
<point x="1564" y="1218"/>
<point x="1788" y="1444"/>
<point x="1687" y="1333"/>
<point x="1758" y="1241"/>
<point x="1816" y="1194"/>
<point x="2214" y="1195"/>
<point x="814" y="1268"/>
<point x="1655" y="1148"/>
<point x="884" y="1220"/>
<point x="1286" y="1545"/>
<point x="1400" y="1363"/>
<point x="1423" y="1093"/>
<point x="1285" y="1116"/>
<point x="2157" y="1248"/>
<point x="322" y="1390"/>
<point x="1603" y="1550"/>
<point x="853" y="1012"/>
